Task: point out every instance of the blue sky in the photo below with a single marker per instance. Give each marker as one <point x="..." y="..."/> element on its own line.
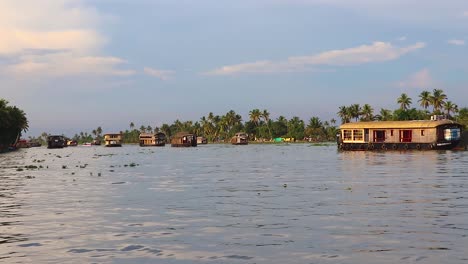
<point x="74" y="65"/>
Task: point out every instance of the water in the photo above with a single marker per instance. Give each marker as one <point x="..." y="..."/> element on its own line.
<point x="292" y="203"/>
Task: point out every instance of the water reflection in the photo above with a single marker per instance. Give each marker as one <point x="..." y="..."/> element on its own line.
<point x="230" y="204"/>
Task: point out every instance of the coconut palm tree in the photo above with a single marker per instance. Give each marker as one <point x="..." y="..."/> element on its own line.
<point x="255" y="116"/>
<point x="355" y="111"/>
<point x="450" y="108"/>
<point x="266" y="117"/>
<point x="385" y="115"/>
<point x="367" y="113"/>
<point x="405" y="101"/>
<point x="343" y="113"/>
<point x="438" y="99"/>
<point x="425" y="99"/>
<point x="132" y="125"/>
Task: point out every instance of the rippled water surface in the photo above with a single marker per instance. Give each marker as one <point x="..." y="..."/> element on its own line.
<point x="292" y="203"/>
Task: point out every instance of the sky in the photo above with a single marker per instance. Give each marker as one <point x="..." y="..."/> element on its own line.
<point x="74" y="65"/>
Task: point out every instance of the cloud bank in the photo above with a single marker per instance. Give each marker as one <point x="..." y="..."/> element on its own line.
<point x="456" y="42"/>
<point x="160" y="74"/>
<point x="376" y="52"/>
<point x="53" y="38"/>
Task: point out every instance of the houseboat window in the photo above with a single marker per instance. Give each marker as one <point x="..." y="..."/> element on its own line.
<point x="451" y="134"/>
<point x="379" y="135"/>
<point x="406" y="135"/>
<point x="358" y="135"/>
<point x="422" y="132"/>
<point x="391" y="132"/>
<point x="347" y="134"/>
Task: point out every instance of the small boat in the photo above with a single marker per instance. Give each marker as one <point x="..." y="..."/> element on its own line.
<point x="152" y="140"/>
<point x="202" y="140"/>
<point x="96" y="142"/>
<point x="400" y="135"/>
<point x="184" y="139"/>
<point x="240" y="138"/>
<point x="56" y="141"/>
<point x="113" y="140"/>
<point x="72" y="143"/>
<point x="87" y="144"/>
<point x="22" y="143"/>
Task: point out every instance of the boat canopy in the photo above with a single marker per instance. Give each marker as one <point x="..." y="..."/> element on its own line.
<point x="397" y="124"/>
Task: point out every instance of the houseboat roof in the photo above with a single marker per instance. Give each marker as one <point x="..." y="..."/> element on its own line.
<point x="112" y="134"/>
<point x="397" y="124"/>
<point x="182" y="134"/>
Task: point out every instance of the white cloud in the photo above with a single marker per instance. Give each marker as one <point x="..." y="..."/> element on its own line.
<point x="161" y="74"/>
<point x="421" y="79"/>
<point x="53" y="38"/>
<point x="456" y="42"/>
<point x="376" y="52"/>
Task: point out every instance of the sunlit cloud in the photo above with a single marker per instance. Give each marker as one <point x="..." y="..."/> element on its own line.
<point x="456" y="42"/>
<point x="53" y="38"/>
<point x="421" y="79"/>
<point x="376" y="52"/>
<point x="161" y="74"/>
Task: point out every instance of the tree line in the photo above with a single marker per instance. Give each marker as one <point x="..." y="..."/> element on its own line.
<point x="13" y="122"/>
<point x="435" y="103"/>
<point x="261" y="127"/>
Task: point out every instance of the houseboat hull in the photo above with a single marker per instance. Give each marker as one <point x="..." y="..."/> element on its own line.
<point x="400" y="135"/>
<point x="397" y="146"/>
<point x="55" y="142"/>
<point x="153" y="145"/>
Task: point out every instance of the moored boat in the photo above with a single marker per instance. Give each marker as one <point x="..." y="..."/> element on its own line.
<point x="240" y="138"/>
<point x="202" y="140"/>
<point x="152" y="140"/>
<point x="400" y="135"/>
<point x="56" y="141"/>
<point x="184" y="139"/>
<point x="113" y="140"/>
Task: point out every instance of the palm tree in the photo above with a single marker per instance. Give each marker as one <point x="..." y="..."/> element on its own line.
<point x="385" y="115"/>
<point x="266" y="117"/>
<point x="438" y="100"/>
<point x="425" y="99"/>
<point x="450" y="107"/>
<point x="405" y="101"/>
<point x="343" y="113"/>
<point x="255" y="116"/>
<point x="355" y="111"/>
<point x="132" y="125"/>
<point x="367" y="113"/>
<point x="142" y="129"/>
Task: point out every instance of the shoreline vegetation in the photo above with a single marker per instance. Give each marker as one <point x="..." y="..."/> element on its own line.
<point x="13" y="122"/>
<point x="263" y="129"/>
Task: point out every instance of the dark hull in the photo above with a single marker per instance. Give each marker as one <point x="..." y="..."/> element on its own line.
<point x="240" y="143"/>
<point x="153" y="145"/>
<point x="185" y="145"/>
<point x="55" y="145"/>
<point x="397" y="146"/>
<point x="114" y="145"/>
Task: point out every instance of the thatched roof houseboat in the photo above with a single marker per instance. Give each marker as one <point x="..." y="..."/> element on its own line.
<point x="202" y="140"/>
<point x="240" y="138"/>
<point x="184" y="139"/>
<point x="150" y="139"/>
<point x="399" y="135"/>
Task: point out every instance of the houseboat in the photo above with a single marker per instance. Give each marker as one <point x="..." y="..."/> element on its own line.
<point x="56" y="141"/>
<point x="113" y="140"/>
<point x="202" y="140"/>
<point x="72" y="143"/>
<point x="96" y="142"/>
<point x="150" y="139"/>
<point x="184" y="139"/>
<point x="240" y="138"/>
<point x="400" y="135"/>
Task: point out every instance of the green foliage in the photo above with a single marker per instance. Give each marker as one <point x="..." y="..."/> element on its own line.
<point x="13" y="122"/>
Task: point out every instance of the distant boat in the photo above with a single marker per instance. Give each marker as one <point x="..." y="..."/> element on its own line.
<point x="154" y="140"/>
<point x="56" y="141"/>
<point x="72" y="143"/>
<point x="184" y="139"/>
<point x="240" y="138"/>
<point x="202" y="140"/>
<point x="113" y="140"/>
<point x="96" y="142"/>
<point x="87" y="144"/>
<point x="400" y="135"/>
